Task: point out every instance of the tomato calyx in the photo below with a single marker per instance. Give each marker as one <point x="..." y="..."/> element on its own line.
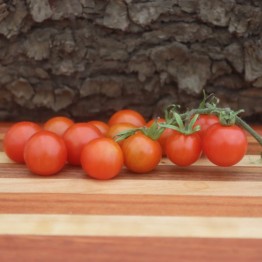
<point x="228" y="117"/>
<point x="153" y="132"/>
<point x="186" y="127"/>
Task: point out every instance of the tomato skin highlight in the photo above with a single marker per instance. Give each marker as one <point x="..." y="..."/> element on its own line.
<point x="184" y="150"/>
<point x="127" y="116"/>
<point x="141" y="153"/>
<point x="225" y="145"/>
<point x="45" y="153"/>
<point x="58" y="124"/>
<point x="16" y="138"/>
<point x="76" y="137"/>
<point x="102" y="158"/>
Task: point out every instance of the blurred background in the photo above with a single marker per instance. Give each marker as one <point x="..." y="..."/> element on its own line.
<point x="85" y="59"/>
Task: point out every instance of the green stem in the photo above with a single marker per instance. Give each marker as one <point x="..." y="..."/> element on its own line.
<point x="216" y="111"/>
<point x="249" y="129"/>
<point x="196" y="111"/>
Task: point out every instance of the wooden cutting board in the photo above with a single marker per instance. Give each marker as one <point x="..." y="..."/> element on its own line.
<point x="199" y="213"/>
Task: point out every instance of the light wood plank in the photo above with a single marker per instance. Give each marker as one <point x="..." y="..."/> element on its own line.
<point x="137" y="226"/>
<point x="4" y="158"/>
<point x="142" y="187"/>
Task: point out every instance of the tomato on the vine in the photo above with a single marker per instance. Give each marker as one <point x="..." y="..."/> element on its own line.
<point x="205" y="121"/>
<point x="127" y="116"/>
<point x="58" y="124"/>
<point x="141" y="153"/>
<point x="184" y="149"/>
<point x="163" y="137"/>
<point x="225" y="145"/>
<point x="76" y="137"/>
<point x="45" y="153"/>
<point x="16" y="138"/>
<point x="102" y="158"/>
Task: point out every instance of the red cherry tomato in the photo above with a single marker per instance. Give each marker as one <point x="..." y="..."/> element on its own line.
<point x="163" y="137"/>
<point x="102" y="126"/>
<point x="141" y="153"/>
<point x="76" y="137"/>
<point x="58" y="124"/>
<point x="102" y="158"/>
<point x="225" y="145"/>
<point x="117" y="128"/>
<point x="184" y="150"/>
<point x="45" y="153"/>
<point x="127" y="116"/>
<point x="205" y="121"/>
<point x="16" y="138"/>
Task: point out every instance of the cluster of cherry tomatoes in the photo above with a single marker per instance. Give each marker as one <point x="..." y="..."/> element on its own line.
<point x="47" y="148"/>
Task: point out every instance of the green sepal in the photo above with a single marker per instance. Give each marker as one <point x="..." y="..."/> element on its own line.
<point x="125" y="134"/>
<point x="179" y="121"/>
<point x="227" y="117"/>
<point x="154" y="131"/>
<point x="181" y="127"/>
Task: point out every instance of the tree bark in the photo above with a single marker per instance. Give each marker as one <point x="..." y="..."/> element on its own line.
<point x="88" y="58"/>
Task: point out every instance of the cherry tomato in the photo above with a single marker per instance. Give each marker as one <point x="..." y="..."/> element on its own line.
<point x="205" y="121"/>
<point x="58" y="124"/>
<point x="183" y="150"/>
<point x="225" y="145"/>
<point x="76" y="136"/>
<point x="117" y="128"/>
<point x="163" y="137"/>
<point x="16" y="138"/>
<point x="141" y="153"/>
<point x="102" y="126"/>
<point x="45" y="153"/>
<point x="127" y="116"/>
<point x="102" y="158"/>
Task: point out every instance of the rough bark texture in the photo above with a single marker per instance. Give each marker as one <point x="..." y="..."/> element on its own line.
<point x="88" y="58"/>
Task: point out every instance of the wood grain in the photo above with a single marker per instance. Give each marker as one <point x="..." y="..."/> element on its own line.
<point x="199" y="213"/>
<point x="104" y="204"/>
<point x="132" y="187"/>
<point x="135" y="226"/>
<point x="163" y="172"/>
<point x="128" y="249"/>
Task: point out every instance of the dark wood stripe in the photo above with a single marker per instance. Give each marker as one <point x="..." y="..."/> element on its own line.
<point x="163" y="172"/>
<point x="130" y="205"/>
<point x="254" y="148"/>
<point x="143" y="249"/>
<point x="210" y="173"/>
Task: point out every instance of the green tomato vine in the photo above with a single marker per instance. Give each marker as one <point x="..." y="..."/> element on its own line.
<point x="185" y="121"/>
<point x="226" y="115"/>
